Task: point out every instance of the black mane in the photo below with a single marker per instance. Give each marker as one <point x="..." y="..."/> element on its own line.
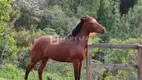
<point x="77" y="29"/>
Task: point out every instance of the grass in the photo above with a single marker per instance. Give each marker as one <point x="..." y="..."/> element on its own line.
<point x="11" y="72"/>
<point x="3" y="79"/>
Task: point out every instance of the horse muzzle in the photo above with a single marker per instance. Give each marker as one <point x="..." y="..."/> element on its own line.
<point x="103" y="31"/>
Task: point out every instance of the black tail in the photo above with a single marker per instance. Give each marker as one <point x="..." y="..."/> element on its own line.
<point x="33" y="42"/>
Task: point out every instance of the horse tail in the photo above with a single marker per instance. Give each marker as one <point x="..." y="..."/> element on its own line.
<point x="33" y="42"/>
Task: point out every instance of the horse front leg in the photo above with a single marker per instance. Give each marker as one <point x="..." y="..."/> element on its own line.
<point x="80" y="66"/>
<point x="76" y="65"/>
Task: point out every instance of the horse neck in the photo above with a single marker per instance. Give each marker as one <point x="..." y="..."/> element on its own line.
<point x="83" y="37"/>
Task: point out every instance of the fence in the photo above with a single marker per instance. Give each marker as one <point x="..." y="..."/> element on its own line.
<point x="117" y="46"/>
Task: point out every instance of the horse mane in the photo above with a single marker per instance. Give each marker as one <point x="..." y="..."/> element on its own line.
<point x="77" y="29"/>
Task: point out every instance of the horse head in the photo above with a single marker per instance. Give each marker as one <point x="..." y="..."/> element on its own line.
<point x="92" y="26"/>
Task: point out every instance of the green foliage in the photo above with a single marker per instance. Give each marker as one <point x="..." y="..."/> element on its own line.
<point x="12" y="72"/>
<point x="5" y="6"/>
<point x="67" y="7"/>
<point x="121" y="56"/>
<point x="57" y="18"/>
<point x="131" y="24"/>
<point x="22" y="38"/>
<point x="3" y="13"/>
<point x="49" y="31"/>
<point x="109" y="16"/>
<point x="122" y="75"/>
<point x="117" y="56"/>
<point x="30" y="12"/>
<point x="12" y="48"/>
<point x="14" y="15"/>
<point x="62" y="69"/>
<point x="94" y="39"/>
<point x="80" y="8"/>
<point x="61" y="23"/>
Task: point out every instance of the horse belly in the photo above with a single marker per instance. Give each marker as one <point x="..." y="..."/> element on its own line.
<point x="61" y="55"/>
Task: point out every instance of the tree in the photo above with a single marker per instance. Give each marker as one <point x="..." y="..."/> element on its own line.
<point x="31" y="12"/>
<point x="109" y="16"/>
<point x="5" y="6"/>
<point x="5" y="38"/>
<point x="131" y="23"/>
<point x="79" y="8"/>
<point x="56" y="19"/>
<point x="3" y="53"/>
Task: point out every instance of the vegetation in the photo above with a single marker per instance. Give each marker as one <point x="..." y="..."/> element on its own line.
<point x="21" y="21"/>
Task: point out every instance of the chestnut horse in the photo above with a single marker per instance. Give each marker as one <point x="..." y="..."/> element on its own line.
<point x="64" y="49"/>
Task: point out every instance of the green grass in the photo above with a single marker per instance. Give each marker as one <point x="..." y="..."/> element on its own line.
<point x="11" y="72"/>
<point x="3" y="79"/>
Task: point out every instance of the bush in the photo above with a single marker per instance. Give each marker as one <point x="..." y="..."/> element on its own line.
<point x="56" y="19"/>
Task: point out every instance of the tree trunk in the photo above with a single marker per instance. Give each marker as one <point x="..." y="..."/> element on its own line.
<point x="4" y="52"/>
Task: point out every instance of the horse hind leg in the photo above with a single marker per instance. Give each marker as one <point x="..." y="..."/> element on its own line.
<point x="29" y="68"/>
<point x="33" y="60"/>
<point x="41" y="68"/>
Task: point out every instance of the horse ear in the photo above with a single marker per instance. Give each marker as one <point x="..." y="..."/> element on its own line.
<point x="85" y="18"/>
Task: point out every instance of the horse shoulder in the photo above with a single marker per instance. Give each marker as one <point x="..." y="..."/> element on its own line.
<point x="77" y="52"/>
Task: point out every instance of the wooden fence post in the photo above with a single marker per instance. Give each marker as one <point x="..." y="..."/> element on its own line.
<point x="88" y="63"/>
<point x="140" y="62"/>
